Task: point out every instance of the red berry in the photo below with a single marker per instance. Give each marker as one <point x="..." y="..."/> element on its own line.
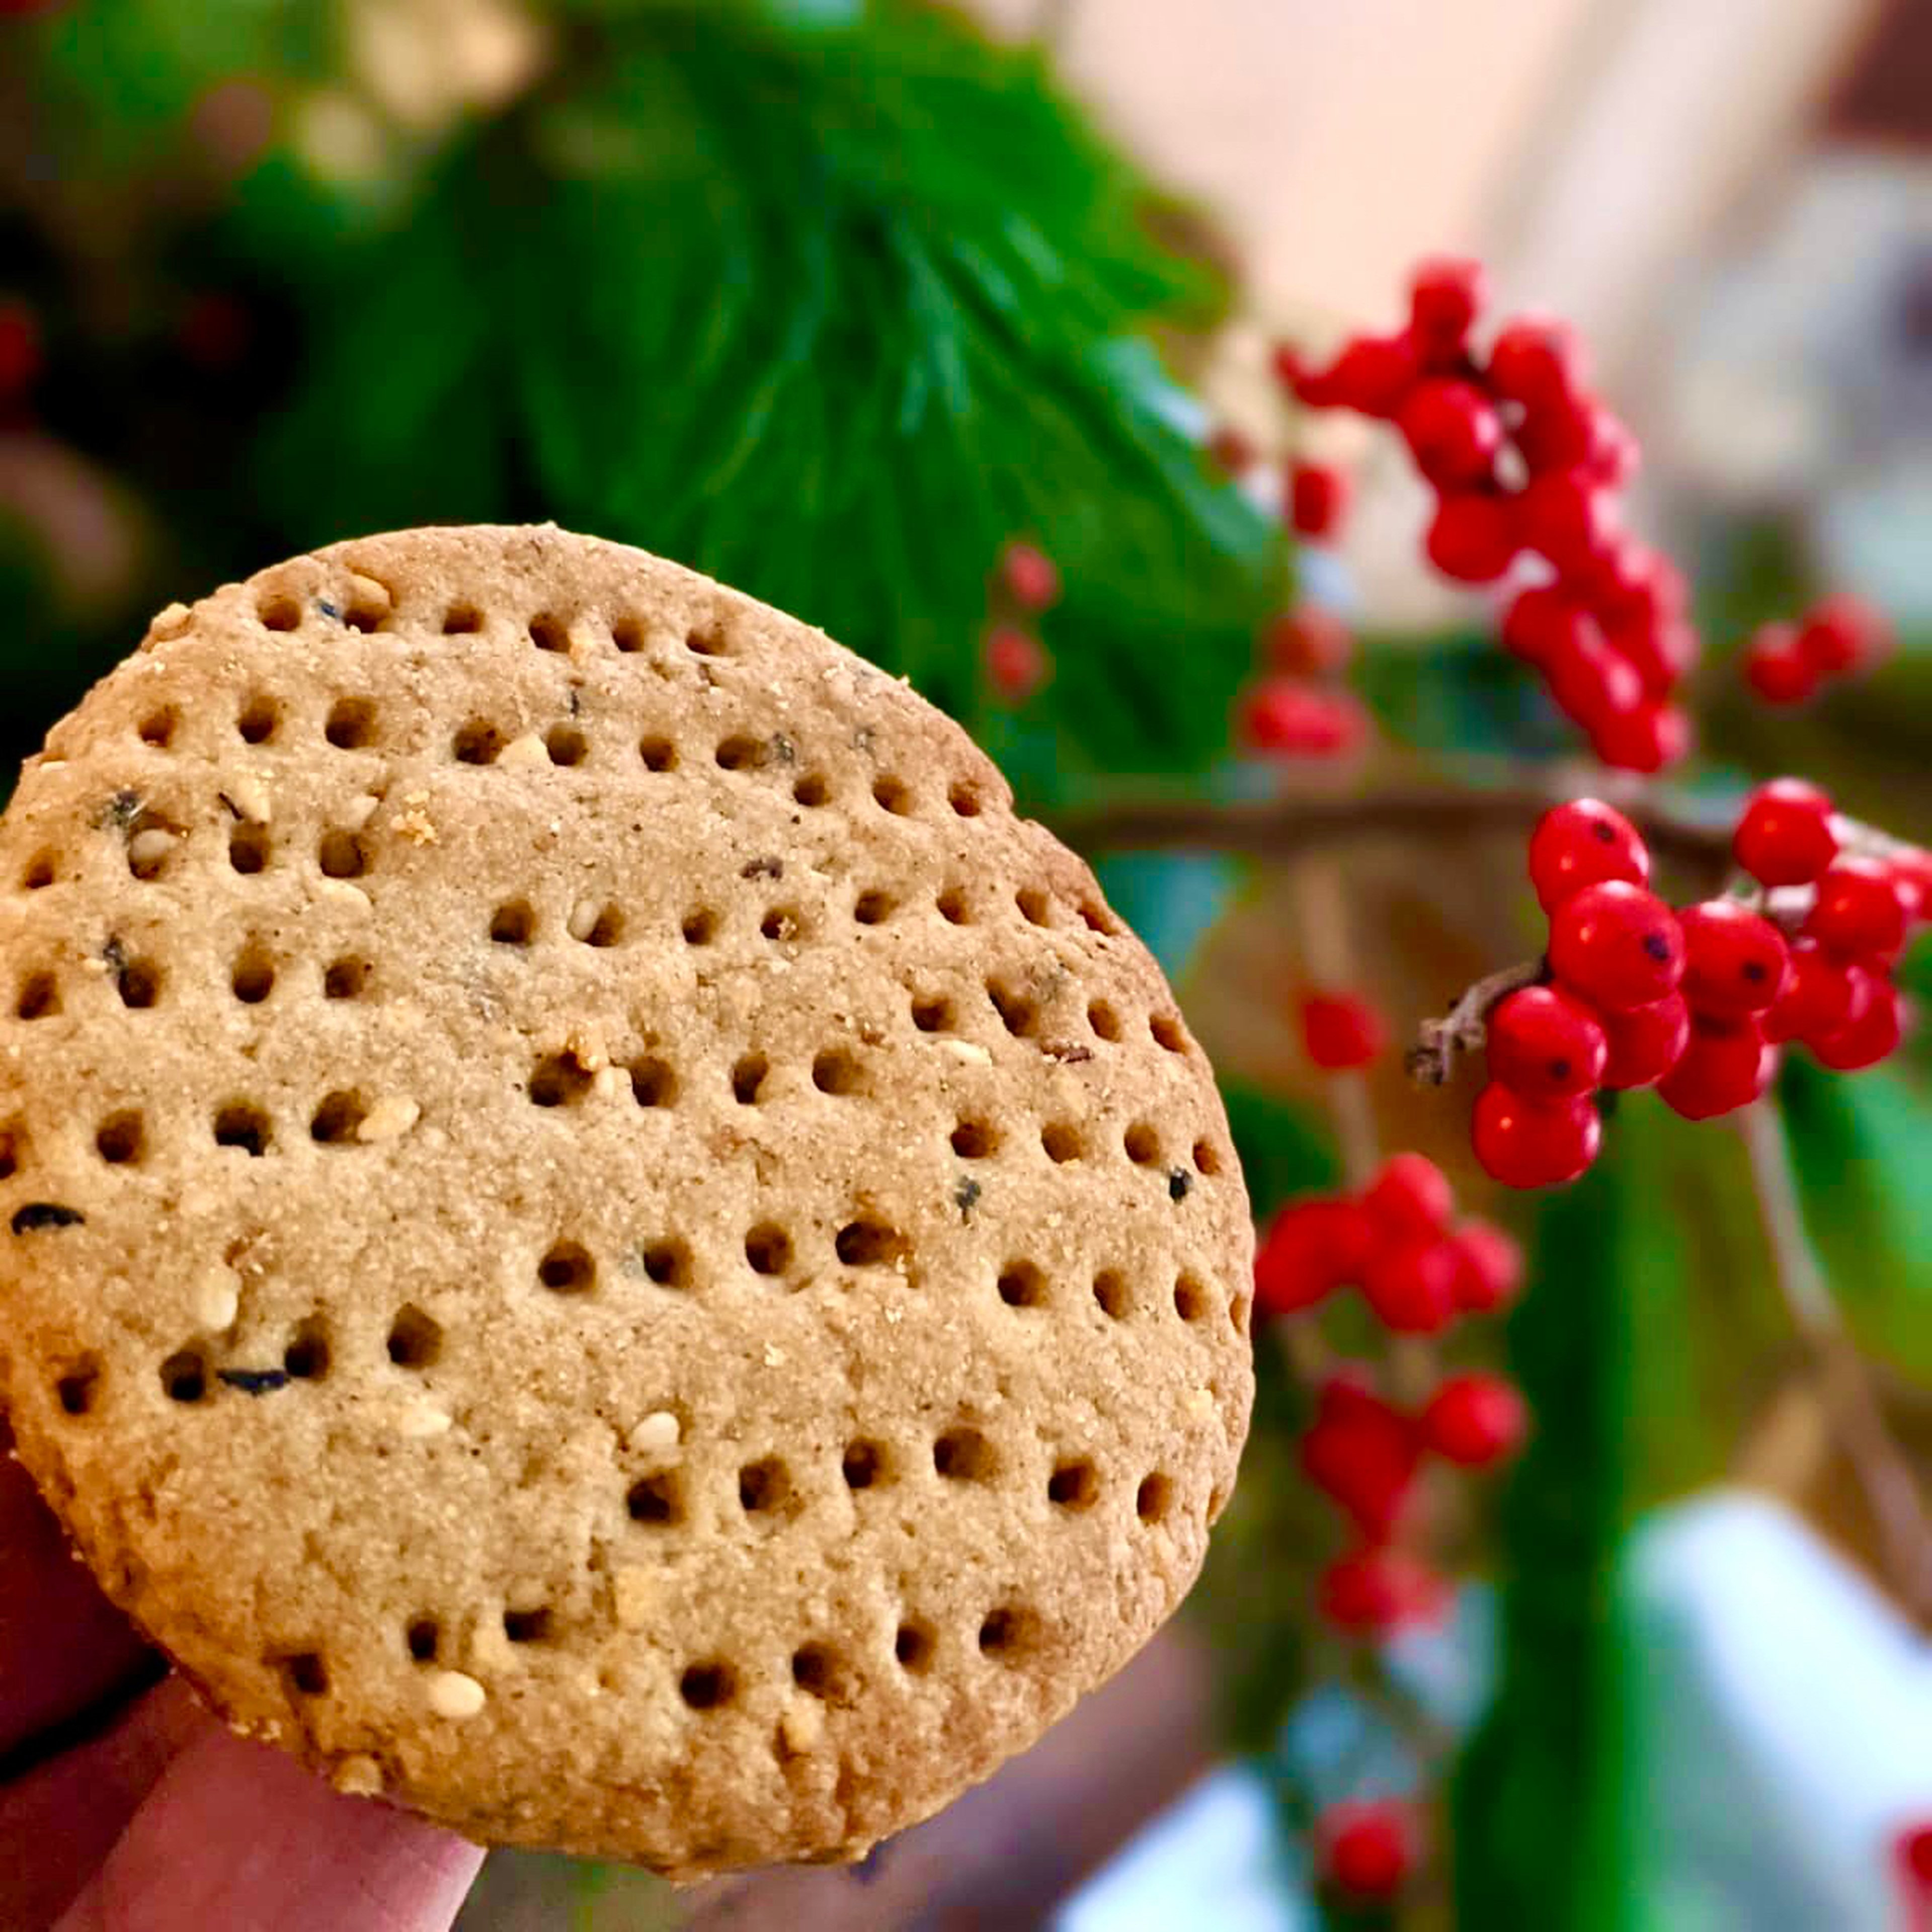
<point x="1664" y="649"/>
<point x="1726" y="1064"/>
<point x="1735" y="961"/>
<point x="1287" y="719"/>
<point x="1628" y="583"/>
<point x="1317" y="498"/>
<point x="1472" y="538"/>
<point x="1341" y="1030"/>
<point x="1776" y="669"/>
<point x="1594" y="684"/>
<point x="1488" y="1275"/>
<point x="1537" y="359"/>
<point x="1446" y="295"/>
<point x="1823" y="995"/>
<point x="1232" y="450"/>
<point x="1408" y="1196"/>
<point x="1584" y="843"/>
<point x="19" y="347"/>
<point x="1545" y="1045"/>
<point x="1911" y="1857"/>
<point x="1646" y="1041"/>
<point x="1475" y="1419"/>
<point x="1567" y="515"/>
<point x="1912" y="869"/>
<point x="1577" y="433"/>
<point x="1310" y="1248"/>
<point x="1372" y="374"/>
<point x="1016" y="663"/>
<point x="1453" y="431"/>
<point x="1873" y="1037"/>
<point x="1784" y="837"/>
<point x="1618" y="945"/>
<point x="1860" y="911"/>
<point x="1361" y="1453"/>
<point x="1309" y="641"/>
<point x="1526" y="1146"/>
<point x="1842" y="633"/>
<point x="1030" y="576"/>
<point x="1543" y="625"/>
<point x="1295" y="373"/>
<point x="1646" y="739"/>
<point x="1367" y="1850"/>
<point x="1411" y="1285"/>
<point x="1374" y="1592"/>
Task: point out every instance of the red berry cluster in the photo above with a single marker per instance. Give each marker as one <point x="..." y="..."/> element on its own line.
<point x="1526" y="462"/>
<point x="1295" y="709"/>
<point x="1025" y="583"/>
<point x="1788" y="664"/>
<point x="1368" y="1849"/>
<point x="1696" y="1002"/>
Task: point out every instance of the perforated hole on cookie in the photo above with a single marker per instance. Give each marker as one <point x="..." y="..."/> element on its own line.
<point x="250" y="849"/>
<point x="184" y="1377"/>
<point x="739" y="753"/>
<point x="1238" y="1311"/>
<point x="158" y="727"/>
<point x="307" y="1356"/>
<point x="1062" y="1141"/>
<point x="241" y="1123"/>
<point x="708" y="640"/>
<point x="276" y="611"/>
<point x="596" y="925"/>
<point x="347" y="979"/>
<point x="1005" y="1633"/>
<point x="1096" y="918"/>
<point x="659" y="754"/>
<point x="748" y="1079"/>
<point x="701" y="927"/>
<point x="153" y="842"/>
<point x="629" y="635"/>
<point x="914" y="1645"/>
<point x="964" y="798"/>
<point x="77" y="1389"/>
<point x="42" y="870"/>
<point x="837" y="1072"/>
<point x="964" y="1455"/>
<point x="351" y="723"/>
<point x="976" y="1140"/>
<point x="548" y="633"/>
<point x="1075" y="1484"/>
<point x="1207" y="1158"/>
<point x="1153" y="1498"/>
<point x="932" y="1012"/>
<point x="477" y="742"/>
<point x="955" y="906"/>
<point x="1018" y="1013"/>
<point x="708" y="1686"/>
<point x="869" y="1243"/>
<point x="1191" y="1301"/>
<point x="765" y="1486"/>
<point x="252" y="977"/>
<point x="335" y="1122"/>
<point x="461" y="620"/>
<point x="307" y="1675"/>
<point x="259" y="720"/>
<point x="1103" y="1020"/>
<point x="121" y="1139"/>
<point x="558" y="1080"/>
<point x="657" y="1501"/>
<point x="1035" y="907"/>
<point x="368" y="607"/>
<point x="13" y="1144"/>
<point x="1022" y="1285"/>
<point x="1142" y="1144"/>
<point x="783" y="923"/>
<point x="566" y="745"/>
<point x="423" y="1639"/>
<point x="768" y="1249"/>
<point x="667" y="1263"/>
<point x="514" y="924"/>
<point x="864" y="1464"/>
<point x="873" y="908"/>
<point x="819" y="1671"/>
<point x="1111" y="1293"/>
<point x="38" y="998"/>
<point x="652" y="1083"/>
<point x="139" y="983"/>
<point x="567" y="1268"/>
<point x="536" y="1625"/>
<point x="342" y="855"/>
<point x="415" y="1339"/>
<point x="892" y="793"/>
<point x="1167" y="1032"/>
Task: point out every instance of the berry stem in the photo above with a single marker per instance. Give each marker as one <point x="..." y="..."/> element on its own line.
<point x="1462" y="1029"/>
<point x="1844" y="1387"/>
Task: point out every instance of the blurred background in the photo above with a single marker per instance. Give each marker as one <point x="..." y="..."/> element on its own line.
<point x="834" y="300"/>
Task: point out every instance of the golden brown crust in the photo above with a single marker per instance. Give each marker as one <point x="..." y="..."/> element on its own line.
<point x="738" y="1317"/>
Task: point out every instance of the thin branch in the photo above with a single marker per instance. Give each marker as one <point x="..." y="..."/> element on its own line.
<point x="1851" y="1404"/>
<point x="1462" y="1029"/>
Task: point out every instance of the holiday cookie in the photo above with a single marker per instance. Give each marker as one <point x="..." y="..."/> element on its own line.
<point x="600" y="1240"/>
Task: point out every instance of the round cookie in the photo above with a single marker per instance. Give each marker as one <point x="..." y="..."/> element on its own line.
<point x="600" y="1240"/>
